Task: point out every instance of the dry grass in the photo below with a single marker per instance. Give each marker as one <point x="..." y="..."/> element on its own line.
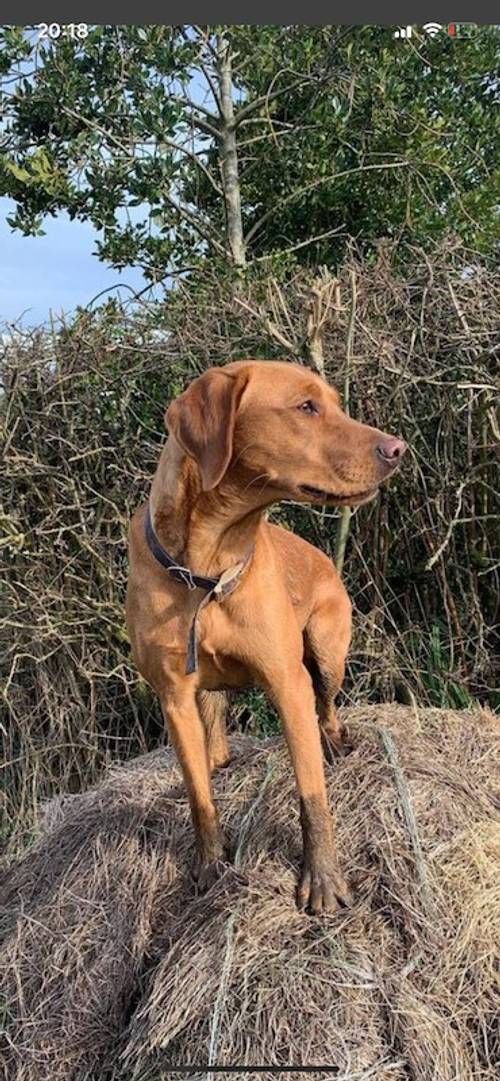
<point x="114" y="970"/>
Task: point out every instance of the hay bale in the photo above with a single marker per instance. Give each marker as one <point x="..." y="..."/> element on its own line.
<point x="113" y="969"/>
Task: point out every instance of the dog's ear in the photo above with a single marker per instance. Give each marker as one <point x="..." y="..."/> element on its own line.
<point x="202" y="421"/>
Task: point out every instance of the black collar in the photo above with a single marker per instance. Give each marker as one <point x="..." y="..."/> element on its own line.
<point x="180" y="574"/>
<point x="216" y="588"/>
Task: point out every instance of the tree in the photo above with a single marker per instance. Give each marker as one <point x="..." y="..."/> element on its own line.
<point x="393" y="139"/>
<point x="239" y="143"/>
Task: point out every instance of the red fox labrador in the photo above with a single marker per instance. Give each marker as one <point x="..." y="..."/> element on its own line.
<point x="219" y="598"/>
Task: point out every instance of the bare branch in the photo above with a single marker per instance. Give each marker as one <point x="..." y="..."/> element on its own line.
<point x="303" y="244"/>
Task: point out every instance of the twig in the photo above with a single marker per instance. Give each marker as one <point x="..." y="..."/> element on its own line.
<point x="324" y="294"/>
<point x="455" y="520"/>
<point x="303" y="244"/>
<point x="345" y="517"/>
<point x="458" y="309"/>
<point x="409" y="816"/>
<point x="271" y="328"/>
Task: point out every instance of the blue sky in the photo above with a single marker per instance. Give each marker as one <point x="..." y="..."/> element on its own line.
<point x="53" y="272"/>
<point x="58" y="271"/>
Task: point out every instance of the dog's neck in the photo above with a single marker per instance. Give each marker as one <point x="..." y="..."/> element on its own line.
<point x="207" y="531"/>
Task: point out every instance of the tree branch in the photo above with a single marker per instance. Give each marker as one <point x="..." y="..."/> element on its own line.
<point x="301" y="244"/>
<point x="199" y="226"/>
<point x="346" y="513"/>
<point x="208" y="126"/>
<point x="316" y="184"/>
<point x="264" y="99"/>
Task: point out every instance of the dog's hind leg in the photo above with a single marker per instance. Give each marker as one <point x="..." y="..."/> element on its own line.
<point x="213" y="707"/>
<point x="327" y="639"/>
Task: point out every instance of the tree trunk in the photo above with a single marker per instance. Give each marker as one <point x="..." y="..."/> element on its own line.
<point x="229" y="157"/>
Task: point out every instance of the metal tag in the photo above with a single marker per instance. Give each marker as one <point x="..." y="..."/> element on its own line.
<point x="227" y="577"/>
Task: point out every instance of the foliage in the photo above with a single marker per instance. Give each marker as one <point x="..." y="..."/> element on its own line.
<point x="340" y="131"/>
<point x="388" y="140"/>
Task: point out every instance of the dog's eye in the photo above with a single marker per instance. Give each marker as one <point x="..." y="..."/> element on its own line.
<point x="308" y="407"/>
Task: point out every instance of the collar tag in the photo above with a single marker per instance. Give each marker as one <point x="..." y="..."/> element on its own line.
<point x="227" y="577"/>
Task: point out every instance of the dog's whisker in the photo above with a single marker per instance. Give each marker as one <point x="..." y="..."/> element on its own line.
<point x="264" y="476"/>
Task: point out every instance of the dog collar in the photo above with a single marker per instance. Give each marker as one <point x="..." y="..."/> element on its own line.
<point x="216" y="588"/>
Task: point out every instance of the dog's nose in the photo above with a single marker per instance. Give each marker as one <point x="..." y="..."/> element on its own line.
<point x="391" y="449"/>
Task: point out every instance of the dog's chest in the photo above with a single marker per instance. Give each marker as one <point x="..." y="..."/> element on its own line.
<point x="220" y="637"/>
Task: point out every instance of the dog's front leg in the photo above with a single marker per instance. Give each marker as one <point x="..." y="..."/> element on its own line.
<point x="187" y="733"/>
<point x="322" y="887"/>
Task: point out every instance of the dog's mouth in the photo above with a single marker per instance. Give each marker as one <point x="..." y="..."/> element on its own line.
<point x="351" y="499"/>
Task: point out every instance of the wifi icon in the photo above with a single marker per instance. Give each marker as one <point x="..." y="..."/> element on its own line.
<point x="432" y="29"/>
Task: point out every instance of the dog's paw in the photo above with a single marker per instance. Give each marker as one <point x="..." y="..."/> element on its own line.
<point x="322" y="889"/>
<point x="333" y="746"/>
<point x="219" y="761"/>
<point x="207" y="870"/>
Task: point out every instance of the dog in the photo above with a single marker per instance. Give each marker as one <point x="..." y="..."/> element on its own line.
<point x="219" y="598"/>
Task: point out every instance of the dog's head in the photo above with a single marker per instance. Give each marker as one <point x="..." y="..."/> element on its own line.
<point x="279" y="429"/>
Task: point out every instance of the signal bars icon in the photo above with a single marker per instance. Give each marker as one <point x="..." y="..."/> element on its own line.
<point x="429" y="28"/>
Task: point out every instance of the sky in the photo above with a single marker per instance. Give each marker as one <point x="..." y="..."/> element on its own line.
<point x="53" y="272"/>
<point x="59" y="271"/>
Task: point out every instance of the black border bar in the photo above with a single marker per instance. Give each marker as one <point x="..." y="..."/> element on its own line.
<point x="248" y="12"/>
